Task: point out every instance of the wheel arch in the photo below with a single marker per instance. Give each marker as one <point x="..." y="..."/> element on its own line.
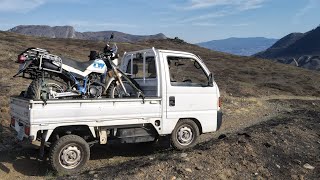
<point x="83" y="131"/>
<point x="194" y="120"/>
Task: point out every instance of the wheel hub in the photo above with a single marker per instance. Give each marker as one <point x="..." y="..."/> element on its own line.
<point x="70" y="157"/>
<point x="185" y="136"/>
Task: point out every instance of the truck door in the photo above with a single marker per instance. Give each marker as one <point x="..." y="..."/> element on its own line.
<point x="189" y="95"/>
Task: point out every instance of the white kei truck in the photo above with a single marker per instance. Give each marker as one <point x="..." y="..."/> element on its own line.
<point x="181" y="101"/>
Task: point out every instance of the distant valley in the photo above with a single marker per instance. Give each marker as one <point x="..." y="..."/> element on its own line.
<point x="70" y="32"/>
<point x="239" y="46"/>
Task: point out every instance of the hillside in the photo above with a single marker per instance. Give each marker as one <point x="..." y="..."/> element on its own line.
<point x="239" y="46"/>
<point x="300" y="49"/>
<point x="70" y="32"/>
<point x="268" y="107"/>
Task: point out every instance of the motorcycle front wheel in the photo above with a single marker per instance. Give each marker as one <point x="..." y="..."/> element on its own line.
<point x="113" y="91"/>
<point x="40" y="89"/>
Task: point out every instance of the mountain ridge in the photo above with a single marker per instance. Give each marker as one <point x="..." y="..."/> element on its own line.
<point x="299" y="49"/>
<point x="70" y="32"/>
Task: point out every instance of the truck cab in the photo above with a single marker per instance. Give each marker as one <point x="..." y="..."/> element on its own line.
<point x="182" y="101"/>
<point x="182" y="82"/>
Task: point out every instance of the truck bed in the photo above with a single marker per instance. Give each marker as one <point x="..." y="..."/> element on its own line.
<point x="90" y="112"/>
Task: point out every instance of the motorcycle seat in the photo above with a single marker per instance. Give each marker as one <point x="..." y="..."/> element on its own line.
<point x="82" y="66"/>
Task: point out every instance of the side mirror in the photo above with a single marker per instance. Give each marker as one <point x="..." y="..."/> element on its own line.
<point x="210" y="81"/>
<point x="196" y="65"/>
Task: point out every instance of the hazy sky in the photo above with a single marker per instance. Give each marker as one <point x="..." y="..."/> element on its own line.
<point x="191" y="20"/>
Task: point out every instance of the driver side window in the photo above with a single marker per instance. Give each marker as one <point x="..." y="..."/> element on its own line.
<point x="186" y="72"/>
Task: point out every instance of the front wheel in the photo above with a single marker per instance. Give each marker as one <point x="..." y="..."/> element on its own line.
<point x="69" y="154"/>
<point x="185" y="135"/>
<point x="114" y="91"/>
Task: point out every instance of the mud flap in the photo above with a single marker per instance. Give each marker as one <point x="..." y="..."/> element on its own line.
<point x="43" y="140"/>
<point x="219" y="120"/>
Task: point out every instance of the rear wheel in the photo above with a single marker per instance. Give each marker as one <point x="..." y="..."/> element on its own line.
<point x="185" y="135"/>
<point x="69" y="154"/>
<point x="39" y="89"/>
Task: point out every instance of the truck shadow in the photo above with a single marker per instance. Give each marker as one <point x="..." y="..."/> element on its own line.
<point x="128" y="150"/>
<point x="26" y="161"/>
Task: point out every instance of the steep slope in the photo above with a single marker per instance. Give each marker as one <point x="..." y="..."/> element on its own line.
<point x="70" y="32"/>
<point x="309" y="44"/>
<point x="300" y="49"/>
<point x="239" y="46"/>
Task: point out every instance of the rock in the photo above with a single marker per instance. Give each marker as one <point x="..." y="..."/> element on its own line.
<point x="92" y="172"/>
<point x="199" y="167"/>
<point x="222" y="136"/>
<point x="188" y="170"/>
<point x="244" y="134"/>
<point x="95" y="175"/>
<point x="173" y="178"/>
<point x="183" y="155"/>
<point x="308" y="166"/>
<point x="186" y="159"/>
<point x="222" y="177"/>
<point x="297" y="161"/>
<point x="151" y="158"/>
<point x="278" y="166"/>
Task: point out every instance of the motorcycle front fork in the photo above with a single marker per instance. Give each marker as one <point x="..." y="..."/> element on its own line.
<point x="119" y="80"/>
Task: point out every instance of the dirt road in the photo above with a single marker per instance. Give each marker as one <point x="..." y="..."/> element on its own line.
<point x="273" y="137"/>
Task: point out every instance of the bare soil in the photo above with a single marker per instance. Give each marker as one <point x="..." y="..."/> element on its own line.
<point x="275" y="145"/>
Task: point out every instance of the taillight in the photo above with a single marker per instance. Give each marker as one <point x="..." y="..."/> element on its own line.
<point x="27" y="130"/>
<point x="219" y="102"/>
<point x="21" y="59"/>
<point x="13" y="122"/>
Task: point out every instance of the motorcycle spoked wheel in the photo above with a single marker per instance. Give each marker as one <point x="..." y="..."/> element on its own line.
<point x="38" y="89"/>
<point x="114" y="90"/>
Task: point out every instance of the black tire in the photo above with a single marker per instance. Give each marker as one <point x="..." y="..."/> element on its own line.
<point x="75" y="149"/>
<point x="185" y="135"/>
<point x="111" y="91"/>
<point x="35" y="90"/>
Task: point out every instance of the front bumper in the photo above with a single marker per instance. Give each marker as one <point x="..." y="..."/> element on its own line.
<point x="219" y="120"/>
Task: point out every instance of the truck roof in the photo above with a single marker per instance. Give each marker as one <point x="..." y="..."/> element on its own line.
<point x="160" y="50"/>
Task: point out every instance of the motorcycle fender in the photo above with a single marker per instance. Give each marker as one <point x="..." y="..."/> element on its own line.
<point x="26" y="65"/>
<point x="109" y="82"/>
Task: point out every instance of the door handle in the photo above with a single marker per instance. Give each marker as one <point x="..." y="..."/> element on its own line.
<point x="172" y="101"/>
